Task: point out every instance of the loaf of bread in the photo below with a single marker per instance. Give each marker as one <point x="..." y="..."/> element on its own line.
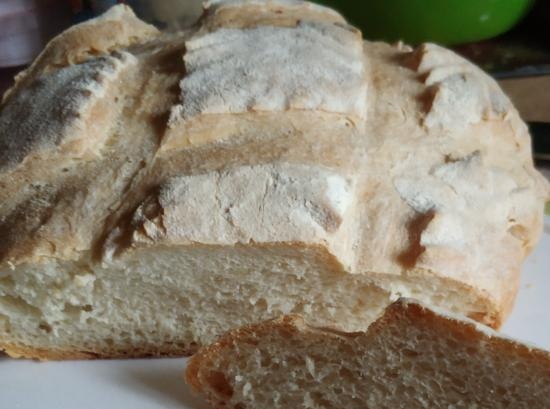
<point x="159" y="189"/>
<point x="411" y="358"/>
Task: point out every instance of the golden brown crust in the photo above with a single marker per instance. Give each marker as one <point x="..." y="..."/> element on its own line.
<point x="116" y="29"/>
<point x="272" y="13"/>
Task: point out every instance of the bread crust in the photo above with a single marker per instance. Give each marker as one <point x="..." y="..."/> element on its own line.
<point x="52" y="354"/>
<point x="117" y="28"/>
<point x="441" y="195"/>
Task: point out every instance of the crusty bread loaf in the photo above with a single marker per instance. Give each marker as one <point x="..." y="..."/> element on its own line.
<point x="158" y="189"/>
<point x="412" y="357"/>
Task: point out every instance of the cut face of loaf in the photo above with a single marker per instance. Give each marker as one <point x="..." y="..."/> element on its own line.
<point x="161" y="189"/>
<point x="172" y="278"/>
<point x="411" y="357"/>
<point x="170" y="300"/>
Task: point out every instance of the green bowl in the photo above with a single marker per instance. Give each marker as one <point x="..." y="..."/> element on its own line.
<point x="443" y="21"/>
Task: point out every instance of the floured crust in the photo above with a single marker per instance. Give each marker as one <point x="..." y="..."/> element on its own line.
<point x="442" y="183"/>
<point x="312" y="66"/>
<point x="458" y="93"/>
<point x="62" y="111"/>
<point x="253" y="13"/>
<point x="256" y="204"/>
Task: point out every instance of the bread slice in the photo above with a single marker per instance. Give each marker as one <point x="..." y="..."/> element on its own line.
<point x="157" y="190"/>
<point x="411" y="357"/>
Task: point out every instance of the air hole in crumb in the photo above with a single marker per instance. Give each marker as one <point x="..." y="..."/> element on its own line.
<point x="501" y="390"/>
<point x="45" y="327"/>
<point x="448" y="158"/>
<point x="392" y="374"/>
<point x="251" y="341"/>
<point x="219" y="383"/>
<point x="319" y="399"/>
<point x="410" y="353"/>
<point x="265" y="361"/>
<point x="261" y="304"/>
<point x="459" y="383"/>
<point x="346" y="374"/>
<point x="87" y="308"/>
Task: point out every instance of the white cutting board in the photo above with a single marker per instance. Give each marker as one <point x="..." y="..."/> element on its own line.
<point x="158" y="383"/>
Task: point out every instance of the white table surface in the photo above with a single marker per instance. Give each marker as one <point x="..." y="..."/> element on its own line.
<point x="158" y="383"/>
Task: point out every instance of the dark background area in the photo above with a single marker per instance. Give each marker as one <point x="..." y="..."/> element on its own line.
<point x="524" y="50"/>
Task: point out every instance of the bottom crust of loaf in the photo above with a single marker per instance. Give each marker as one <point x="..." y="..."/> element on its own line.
<point x="145" y="351"/>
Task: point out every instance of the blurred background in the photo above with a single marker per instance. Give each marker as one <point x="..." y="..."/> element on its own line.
<point x="508" y="38"/>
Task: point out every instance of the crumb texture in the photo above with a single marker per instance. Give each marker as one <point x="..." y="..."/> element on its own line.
<point x="169" y="300"/>
<point x="410" y="358"/>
